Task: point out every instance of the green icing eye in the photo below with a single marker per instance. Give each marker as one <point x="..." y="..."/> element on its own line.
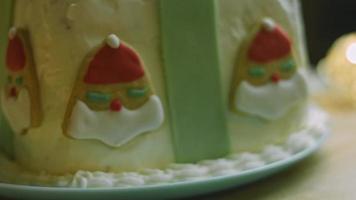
<point x="98" y="97"/>
<point x="257" y="72"/>
<point x="288" y="66"/>
<point x="136" y="93"/>
<point x="19" y="80"/>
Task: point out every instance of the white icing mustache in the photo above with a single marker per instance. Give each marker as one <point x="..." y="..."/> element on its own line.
<point x="115" y="128"/>
<point x="270" y="101"/>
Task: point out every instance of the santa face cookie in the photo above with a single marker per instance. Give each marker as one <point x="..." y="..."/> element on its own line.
<point x="267" y="83"/>
<point x="112" y="100"/>
<point x="20" y="98"/>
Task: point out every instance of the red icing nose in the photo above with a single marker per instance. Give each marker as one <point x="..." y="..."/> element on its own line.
<point x="13" y="92"/>
<point x="275" y="78"/>
<point x="115" y="105"/>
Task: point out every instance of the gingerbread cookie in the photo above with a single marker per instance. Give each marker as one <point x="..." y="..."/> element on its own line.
<point x="266" y="80"/>
<point x="112" y="100"/>
<point x="21" y="101"/>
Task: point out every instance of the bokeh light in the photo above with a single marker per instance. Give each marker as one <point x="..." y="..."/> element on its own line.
<point x="351" y="53"/>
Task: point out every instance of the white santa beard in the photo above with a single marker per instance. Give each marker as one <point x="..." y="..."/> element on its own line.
<point x="270" y="101"/>
<point x="17" y="111"/>
<point x="115" y="128"/>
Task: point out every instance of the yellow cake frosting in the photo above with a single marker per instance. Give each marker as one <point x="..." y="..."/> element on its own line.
<point x="63" y="32"/>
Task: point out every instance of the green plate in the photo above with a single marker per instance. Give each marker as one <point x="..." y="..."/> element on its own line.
<point x="174" y="190"/>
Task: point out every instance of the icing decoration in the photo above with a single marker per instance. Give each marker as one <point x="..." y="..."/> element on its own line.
<point x="275" y="78"/>
<point x="115" y="128"/>
<point x="19" y="80"/>
<point x="288" y="66"/>
<point x="98" y="97"/>
<point x="257" y="71"/>
<point x="115" y="105"/>
<point x="136" y="92"/>
<point x="113" y="41"/>
<point x="270" y="43"/>
<point x="269" y="24"/>
<point x="21" y="99"/>
<point x="112" y="100"/>
<point x="15" y="56"/>
<point x="270" y="101"/>
<point x="191" y="63"/>
<point x="12" y="32"/>
<point x="114" y="65"/>
<point x="6" y="134"/>
<point x="271" y="89"/>
<point x="13" y="93"/>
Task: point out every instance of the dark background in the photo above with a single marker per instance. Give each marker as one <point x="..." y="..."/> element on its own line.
<point x="325" y="21"/>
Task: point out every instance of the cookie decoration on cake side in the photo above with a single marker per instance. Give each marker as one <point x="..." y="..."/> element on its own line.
<point x="20" y="100"/>
<point x="113" y="100"/>
<point x="266" y="82"/>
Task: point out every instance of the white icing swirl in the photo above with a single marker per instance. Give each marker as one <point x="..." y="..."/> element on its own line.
<point x="274" y="153"/>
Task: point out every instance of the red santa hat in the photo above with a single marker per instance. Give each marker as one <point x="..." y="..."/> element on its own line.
<point x="271" y="43"/>
<point x="15" y="54"/>
<point x="114" y="63"/>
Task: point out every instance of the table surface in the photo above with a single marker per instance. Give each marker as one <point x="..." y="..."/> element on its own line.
<point x="329" y="174"/>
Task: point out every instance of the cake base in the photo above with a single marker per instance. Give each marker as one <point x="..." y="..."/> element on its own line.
<point x="233" y="170"/>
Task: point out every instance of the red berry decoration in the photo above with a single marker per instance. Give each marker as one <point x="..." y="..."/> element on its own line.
<point x="13" y="92"/>
<point x="275" y="78"/>
<point x="116" y="105"/>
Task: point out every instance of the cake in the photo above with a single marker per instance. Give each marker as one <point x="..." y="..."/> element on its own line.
<point x="128" y="85"/>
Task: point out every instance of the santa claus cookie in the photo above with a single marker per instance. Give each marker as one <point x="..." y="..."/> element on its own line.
<point x="112" y="100"/>
<point x="20" y="97"/>
<point x="266" y="80"/>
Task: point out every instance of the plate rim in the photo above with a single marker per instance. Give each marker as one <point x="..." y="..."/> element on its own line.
<point x="276" y="166"/>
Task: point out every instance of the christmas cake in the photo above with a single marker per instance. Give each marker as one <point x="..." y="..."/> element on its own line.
<point x="126" y="85"/>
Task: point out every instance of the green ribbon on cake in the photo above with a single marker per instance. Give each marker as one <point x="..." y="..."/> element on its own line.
<point x="6" y="135"/>
<point x="191" y="65"/>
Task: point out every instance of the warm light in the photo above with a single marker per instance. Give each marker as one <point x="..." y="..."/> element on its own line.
<point x="339" y="68"/>
<point x="351" y="53"/>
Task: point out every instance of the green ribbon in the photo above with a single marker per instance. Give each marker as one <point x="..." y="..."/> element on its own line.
<point x="6" y="134"/>
<point x="191" y="65"/>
